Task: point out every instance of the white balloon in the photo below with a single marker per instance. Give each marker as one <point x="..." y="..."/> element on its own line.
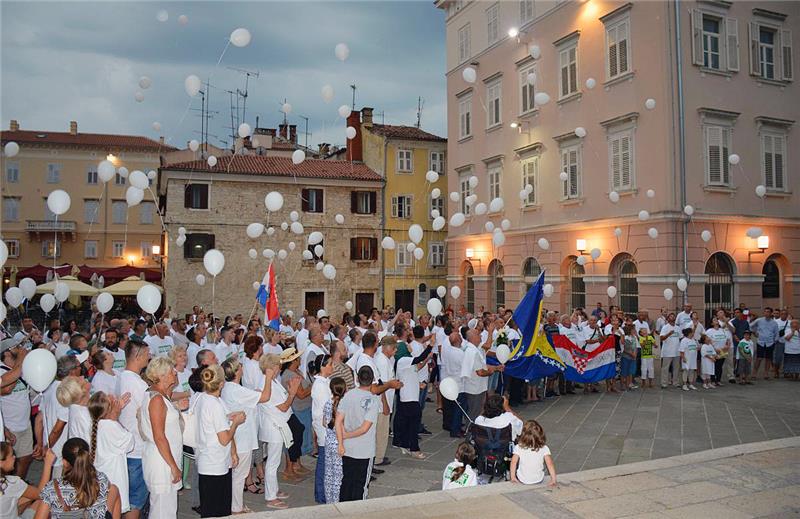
<point x="611" y="291"/>
<point x="134" y="195"/>
<point x="651" y="193"/>
<point x="580" y="131"/>
<point x="3" y="253"/>
<point x="448" y="387"/>
<point x="14" y="296"/>
<point x="292" y="246"/>
<point x="481" y="209"/>
<point x="473" y="181"/>
<point x="273" y="201"/>
<point x="531" y="78"/>
<point x="438" y="223"/>
<point x="329" y="272"/>
<point x="523" y="195"/>
<point x="434" y="306"/>
<point x="244" y="130"/>
<point x="543" y="243"/>
<point x="344" y="111"/>
<point x="350" y="132"/>
<point x="149" y="298"/>
<point x="529" y="188"/>
<point x="755" y="232"/>
<point x="106" y="171"/>
<point x="489" y="226"/>
<point x="256" y="285"/>
<point x="183" y="19"/>
<point x="563" y="176"/>
<point x="418" y="254"/>
<point x="307" y="255"/>
<point x="39" y="369"/>
<point x="614" y="197"/>
<point x="410" y="247"/>
<point x="315" y="238"/>
<point x="11" y="149"/>
<point x="415" y="233"/>
<point x="180" y="240"/>
<point x="469" y="75"/>
<point x="105" y="302"/>
<point x="541" y="98"/>
<point x="294" y="216"/>
<point x="341" y="51"/>
<point x="668" y="294"/>
<point x="534" y="51"/>
<point x="652" y="232"/>
<point x="705" y="236"/>
<point x="733" y="158"/>
<point x="498" y="238"/>
<point x="194" y="144"/>
<point x="591" y="83"/>
<point x="271" y="230"/>
<point x="156" y="126"/>
<point x="145" y="82"/>
<point x="138" y="179"/>
<point x="348" y="305"/>
<point x="387" y="243"/>
<point x="296" y="227"/>
<point x="595" y="253"/>
<point x="650" y="103"/>
<point x="502" y="353"/>
<point x="327" y="93"/>
<point x="457" y="220"/>
<point x="617" y="232"/>
<point x="298" y="156"/>
<point x="689" y="210"/>
<point x="284" y="226"/>
<point x="47" y="302"/>
<point x="339" y="219"/>
<point x="192" y="85"/>
<point x="181" y="230"/>
<point x="505" y="224"/>
<point x="496" y="205"/>
<point x="58" y="201"/>
<point x="435" y="213"/>
<point x="252" y="253"/>
<point x="213" y="261"/>
<point x="470" y="200"/>
<point x="123" y="172"/>
<point x="162" y="16"/>
<point x="212" y="160"/>
<point x="282" y="254"/>
<point x="761" y="191"/>
<point x="581" y="260"/>
<point x="138" y="96"/>
<point x="151" y="175"/>
<point x="269" y="253"/>
<point x="547" y="289"/>
<point x="286" y="108"/>
<point x="441" y="291"/>
<point x="455" y="196"/>
<point x="436" y="193"/>
<point x="455" y="292"/>
<point x="61" y="292"/>
<point x="682" y="284"/>
<point x="644" y="215"/>
<point x="200" y="279"/>
<point x="431" y="176"/>
<point x="240" y="37"/>
<point x="319" y="250"/>
<point x="28" y="287"/>
<point x="254" y="230"/>
<point x="320" y="265"/>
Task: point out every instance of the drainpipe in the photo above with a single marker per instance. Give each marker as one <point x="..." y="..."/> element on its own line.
<point x="681" y="142"/>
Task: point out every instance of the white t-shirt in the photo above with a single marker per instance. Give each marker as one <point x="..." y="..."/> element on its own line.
<point x="530" y="469"/>
<point x="320" y="394"/>
<point x="682" y="319"/>
<point x="80" y="423"/>
<point x="270" y="416"/>
<point x="707" y="364"/>
<point x="474" y="360"/>
<point x="272" y="348"/>
<point x="238" y="398"/>
<point x="15" y="487"/>
<point x="130" y="382"/>
<point x="385" y="367"/>
<point x="365" y="360"/>
<point x="301" y="340"/>
<point x="572" y="333"/>
<point x="119" y="359"/>
<point x="718" y="336"/>
<point x="16" y="406"/>
<point x="225" y="351"/>
<point x="689" y="349"/>
<point x="104" y="382"/>
<point x="407" y="374"/>
<point x="354" y="349"/>
<point x="113" y="443"/>
<point x="792" y="341"/>
<point x="213" y="458"/>
<point x="159" y="347"/>
<point x="638" y="325"/>
<point x="452" y="359"/>
<point x="53" y="411"/>
<point x="416" y="350"/>
<point x="467" y="479"/>
<point x="670" y="345"/>
<point x="252" y="374"/>
<point x="191" y="352"/>
<point x="502" y="421"/>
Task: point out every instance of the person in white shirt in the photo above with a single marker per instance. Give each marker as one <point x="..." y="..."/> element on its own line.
<point x="111" y="345"/>
<point x="384" y="362"/>
<point x="354" y="347"/>
<point x="497" y="414"/>
<point x="178" y="332"/>
<point x="531" y="455"/>
<point x="226" y="349"/>
<point x="593" y="336"/>
<point x="721" y="343"/>
<point x="54" y="415"/>
<point x="791" y="360"/>
<point x="452" y="360"/>
<point x="459" y="472"/>
<point x="251" y="371"/>
<point x="315" y="347"/>
<point x="670" y="335"/>
<point x="73" y="393"/>
<point x="15" y="404"/>
<point x="301" y="338"/>
<point x="109" y="443"/>
<point x="286" y="326"/>
<point x="474" y="373"/>
<point x="684" y="317"/>
<point x="416" y="347"/>
<point x="195" y="335"/>
<point x="105" y="378"/>
<point x="161" y="343"/>
<point x="783" y="321"/>
<point x="320" y="395"/>
<point x="641" y="322"/>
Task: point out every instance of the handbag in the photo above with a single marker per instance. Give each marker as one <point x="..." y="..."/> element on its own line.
<point x="68" y="513"/>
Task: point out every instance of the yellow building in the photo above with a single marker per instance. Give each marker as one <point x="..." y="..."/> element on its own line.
<point x="403" y="155"/>
<point x="98" y="230"/>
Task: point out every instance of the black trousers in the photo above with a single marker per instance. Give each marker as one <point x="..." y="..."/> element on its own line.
<point x="516" y="391"/>
<point x="355" y="478"/>
<point x="407" y="419"/>
<point x="718" y="364"/>
<point x="297" y="435"/>
<point x="215" y="495"/>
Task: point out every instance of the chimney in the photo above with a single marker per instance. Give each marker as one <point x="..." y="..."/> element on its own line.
<point x="323" y="149"/>
<point x="282" y="130"/>
<point x="293" y="133"/>
<point x="366" y="116"/>
<point x="354" y="145"/>
<point x="14" y="126"/>
<point x="73" y="127"/>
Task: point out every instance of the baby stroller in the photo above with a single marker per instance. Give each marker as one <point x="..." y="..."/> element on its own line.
<point x="494" y="448"/>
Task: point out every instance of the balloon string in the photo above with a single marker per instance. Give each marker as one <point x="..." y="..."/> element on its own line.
<point x="96" y="210"/>
<point x="213" y="291"/>
<point x="158" y="210"/>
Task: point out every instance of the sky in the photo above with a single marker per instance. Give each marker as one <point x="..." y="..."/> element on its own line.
<point x="82" y="61"/>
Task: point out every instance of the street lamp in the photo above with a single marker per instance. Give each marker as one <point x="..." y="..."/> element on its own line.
<point x="580" y="244"/>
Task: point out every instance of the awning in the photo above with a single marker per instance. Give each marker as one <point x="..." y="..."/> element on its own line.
<point x="76" y="287"/>
<point x="129" y="287"/>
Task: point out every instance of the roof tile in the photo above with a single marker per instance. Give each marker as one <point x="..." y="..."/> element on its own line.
<point x="405" y="132"/>
<point x="103" y="140"/>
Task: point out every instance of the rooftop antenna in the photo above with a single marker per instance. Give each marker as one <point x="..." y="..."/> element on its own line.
<point x="420" y="104"/>
<point x="205" y="115"/>
<point x="248" y="74"/>
<point x="303" y="117"/>
<point x="353" y="87"/>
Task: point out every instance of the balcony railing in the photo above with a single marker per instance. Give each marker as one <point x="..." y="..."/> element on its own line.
<point x="50" y="225"/>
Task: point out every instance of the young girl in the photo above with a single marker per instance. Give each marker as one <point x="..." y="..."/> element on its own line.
<point x="688" y="352"/>
<point x="14" y="489"/>
<point x="110" y="442"/>
<point x="459" y="473"/>
<point x="630" y="347"/>
<point x="709" y="358"/>
<point x="531" y="455"/>
<point x="334" y="449"/>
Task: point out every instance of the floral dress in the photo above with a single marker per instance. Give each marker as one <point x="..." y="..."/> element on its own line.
<point x="333" y="462"/>
<point x="96" y="511"/>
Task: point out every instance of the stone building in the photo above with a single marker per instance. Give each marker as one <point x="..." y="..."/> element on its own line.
<point x="215" y="206"/>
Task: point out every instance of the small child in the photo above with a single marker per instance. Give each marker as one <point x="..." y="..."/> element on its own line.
<point x="688" y="351"/>
<point x="744" y="358"/>
<point x="646" y="343"/>
<point x="531" y="455"/>
<point x="459" y="473"/>
<point x="630" y="346"/>
<point x="709" y="356"/>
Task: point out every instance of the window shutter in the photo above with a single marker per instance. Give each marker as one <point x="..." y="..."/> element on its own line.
<point x="614" y="154"/>
<point x="778" y="147"/>
<point x="353" y="201"/>
<point x="622" y="49"/>
<point x="697" y="37"/>
<point x="786" y="55"/>
<point x="612" y="54"/>
<point x="354" y="249"/>
<point x="394" y="207"/>
<point x="732" y="43"/>
<point x="187" y="196"/>
<point x="565" y="167"/>
<point x="755" y="66"/>
<point x="726" y="151"/>
<point x="318" y="204"/>
<point x="304" y="199"/>
<point x="204" y="196"/>
<point x="573" y="71"/>
<point x="573" y="173"/>
<point x="625" y="152"/>
<point x="714" y="145"/>
<point x="564" y="59"/>
<point x="373" y="202"/>
<point x="769" y="173"/>
<point x="373" y="248"/>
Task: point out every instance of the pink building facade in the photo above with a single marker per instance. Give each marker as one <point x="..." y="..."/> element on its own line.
<point x="650" y="104"/>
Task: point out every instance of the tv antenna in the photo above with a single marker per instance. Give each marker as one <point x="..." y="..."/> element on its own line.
<point x="205" y="115"/>
<point x="353" y="87"/>
<point x="306" y="130"/>
<point x="420" y="104"/>
<point x="243" y="93"/>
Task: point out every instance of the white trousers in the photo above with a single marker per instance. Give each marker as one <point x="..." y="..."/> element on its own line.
<point x="237" y="480"/>
<point x="164" y="506"/>
<point x="271" y="466"/>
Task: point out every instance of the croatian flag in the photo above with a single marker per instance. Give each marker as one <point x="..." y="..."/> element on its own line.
<point x="593" y="364"/>
<point x="268" y="297"/>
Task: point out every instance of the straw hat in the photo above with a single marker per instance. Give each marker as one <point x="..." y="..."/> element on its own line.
<point x="288" y="355"/>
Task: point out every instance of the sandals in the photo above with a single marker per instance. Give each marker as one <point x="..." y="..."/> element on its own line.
<point x="439" y="410"/>
<point x="282" y="495"/>
<point x="277" y="504"/>
<point x="251" y="486"/>
<point x="418" y="455"/>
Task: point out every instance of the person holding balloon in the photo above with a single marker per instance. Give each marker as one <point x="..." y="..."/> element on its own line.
<point x="54" y="415"/>
<point x="15" y="405"/>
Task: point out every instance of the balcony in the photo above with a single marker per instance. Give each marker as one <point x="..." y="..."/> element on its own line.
<point x="44" y="228"/>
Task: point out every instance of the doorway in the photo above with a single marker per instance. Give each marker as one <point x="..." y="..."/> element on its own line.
<point x="404" y="299"/>
<point x="364" y="302"/>
<point x="314" y="302"/>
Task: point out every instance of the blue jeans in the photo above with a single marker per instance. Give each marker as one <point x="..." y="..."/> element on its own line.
<point x="319" y="477"/>
<point x="458" y="416"/>
<point x="308" y="440"/>
<point x="137" y="489"/>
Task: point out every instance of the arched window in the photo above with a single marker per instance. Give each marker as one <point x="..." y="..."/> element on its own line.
<point x="628" y="286"/>
<point x="469" y="285"/>
<point x="771" y="287"/>
<point x="577" y="286"/>
<point x="719" y="287"/>
<point x="422" y="294"/>
<point x="498" y="284"/>
<point x="530" y="271"/>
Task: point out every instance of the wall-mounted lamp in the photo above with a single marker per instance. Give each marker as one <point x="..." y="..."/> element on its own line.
<point x="513" y="33"/>
<point x="470" y="253"/>
<point x="762" y="244"/>
<point x="131" y="259"/>
<point x="156" y="250"/>
<point x="580" y="245"/>
<point x="514" y="124"/>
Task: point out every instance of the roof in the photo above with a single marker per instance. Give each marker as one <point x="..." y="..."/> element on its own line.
<point x="103" y="140"/>
<point x="281" y="167"/>
<point x="411" y="133"/>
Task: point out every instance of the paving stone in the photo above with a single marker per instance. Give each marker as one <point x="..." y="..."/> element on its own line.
<point x="714" y="510"/>
<point x="569" y="492"/>
<point x="611" y="507"/>
<point x="698" y="492"/>
<point x="686" y="474"/>
<point x="764" y="503"/>
<point x="628" y="484"/>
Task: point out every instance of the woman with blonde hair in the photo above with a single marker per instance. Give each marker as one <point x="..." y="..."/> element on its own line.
<point x="272" y="341"/>
<point x="181" y="391"/>
<point x="73" y="393"/>
<point x="161" y="427"/>
<point x="110" y="443"/>
<point x="216" y="445"/>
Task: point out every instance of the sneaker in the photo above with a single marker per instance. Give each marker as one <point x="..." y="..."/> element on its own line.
<point x="663" y="386"/>
<point x="705" y="386"/>
<point x="692" y="388"/>
<point x="685" y="387"/>
<point x="404" y="450"/>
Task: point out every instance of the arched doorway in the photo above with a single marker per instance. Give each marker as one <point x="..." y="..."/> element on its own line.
<point x="719" y="286"/>
<point x="771" y="286"/>
<point x="498" y="285"/>
<point x="530" y="271"/>
<point x="625" y="272"/>
<point x="469" y="287"/>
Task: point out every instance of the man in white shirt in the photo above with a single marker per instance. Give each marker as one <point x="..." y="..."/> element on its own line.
<point x="27" y="328"/>
<point x="452" y="360"/>
<point x="178" y="333"/>
<point x="416" y="347"/>
<point x="301" y="339"/>
<point x="111" y="345"/>
<point x="286" y="326"/>
<point x="783" y="321"/>
<point x="225" y="349"/>
<point x="671" y="335"/>
<point x="641" y="322"/>
<point x="384" y="361"/>
<point x="474" y="373"/>
<point x="315" y="347"/>
<point x="15" y="404"/>
<point x="55" y="416"/>
<point x="685" y="317"/>
<point x="320" y="395"/>
<point x="161" y="343"/>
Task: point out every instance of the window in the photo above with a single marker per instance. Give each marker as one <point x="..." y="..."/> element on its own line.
<point x="465" y="117"/>
<point x="404" y="161"/>
<point x="771" y="52"/>
<point x="91" y="175"/>
<point x="492" y="24"/>
<point x="766" y="52"/>
<point x="711" y="47"/>
<point x="571" y="163"/>
<point x="12" y="172"/>
<point x="363" y="202"/>
<point x="10" y="209"/>
<point x="530" y="272"/>
<point x="525" y="11"/>
<point x="401" y="206"/>
<point x="146" y="212"/>
<point x="13" y="248"/>
<point x="147" y="249"/>
<point x="493" y="92"/>
<point x="436" y="204"/>
<point x="620" y="161"/>
<point x="436" y="254"/>
<point x="568" y="68"/>
<point x="119" y="211"/>
<point x="463" y="183"/>
<point x="312" y="200"/>
<point x="494" y="174"/>
<point x="530" y="177"/>
<point x="498" y="283"/>
<point x="464" y="43"/>
<point x="715" y="41"/>
<point x="719" y="284"/>
<point x="773" y="160"/>
<point x="771" y="286"/>
<point x="197" y="245"/>
<point x="628" y="287"/>
<point x="436" y="162"/>
<point x="469" y="285"/>
<point x="422" y="294"/>
<point x="119" y="180"/>
<point x="527" y="89"/>
<point x="51" y="249"/>
<point x="577" y="286"/>
<point x="617" y="49"/>
<point x="363" y="249"/>
<point x="403" y="255"/>
<point x="195" y="196"/>
<point x="53" y="173"/>
<point x="314" y="256"/>
<point x="90" y="249"/>
<point x="90" y="210"/>
<point x="117" y="249"/>
<point x="718" y="144"/>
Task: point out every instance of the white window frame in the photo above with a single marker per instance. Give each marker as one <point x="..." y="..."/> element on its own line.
<point x="465" y="190"/>
<point x="405" y="161"/>
<point x="571" y="188"/>
<point x="465" y="121"/>
<point x="11" y="208"/>
<point x="725" y="133"/>
<point x="727" y="38"/>
<point x="312" y="200"/>
<point x="146" y="216"/>
<point x="436" y="254"/>
<point x="402" y="255"/>
<point x="119" y="180"/>
<point x="494" y="176"/>
<point x="90" y="249"/>
<point x="89" y="215"/>
<point x="364" y="203"/>
<point x="775" y="136"/>
<point x="494" y="103"/>
<point x="117" y="249"/>
<point x="464" y="43"/>
<point x="493" y="25"/>
<point x="616" y="158"/>
<point x="762" y="49"/>
<point x="91" y="175"/>
<point x="436" y="162"/>
<point x="612" y="32"/>
<point x="402" y="206"/>
<point x="570" y="64"/>
<point x="530" y="175"/>
<point x="527" y="92"/>
<point x="526" y="11"/>
<point x="114" y="215"/>
<point x="436" y="203"/>
<point x="708" y="37"/>
<point x="13" y="248"/>
<point x="146" y="249"/>
<point x="12" y="172"/>
<point x="53" y="173"/>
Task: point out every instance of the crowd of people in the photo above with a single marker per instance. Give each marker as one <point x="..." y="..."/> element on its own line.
<point x="141" y="408"/>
